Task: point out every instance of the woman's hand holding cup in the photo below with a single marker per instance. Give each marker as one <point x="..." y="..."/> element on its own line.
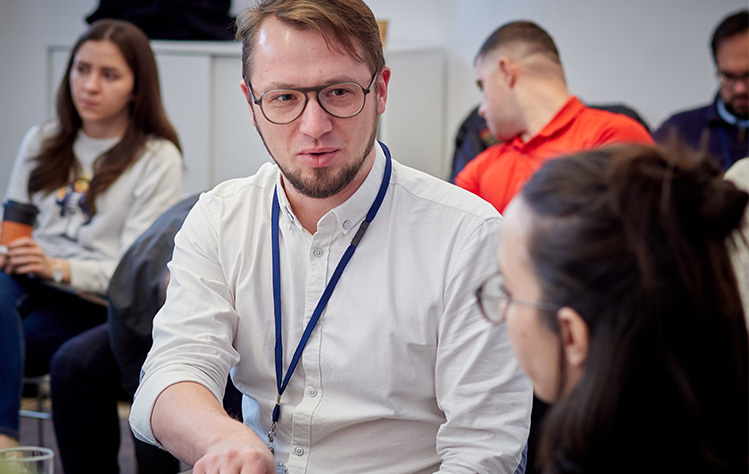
<point x="25" y="256"/>
<point x="18" y="252"/>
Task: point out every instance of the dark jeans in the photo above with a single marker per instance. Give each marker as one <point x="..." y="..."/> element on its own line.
<point x="35" y="320"/>
<point x="86" y="387"/>
<point x="85" y="390"/>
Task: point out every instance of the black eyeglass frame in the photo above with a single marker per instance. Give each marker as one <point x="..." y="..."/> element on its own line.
<point x="317" y="89"/>
<point x="482" y="298"/>
<point x="729" y="78"/>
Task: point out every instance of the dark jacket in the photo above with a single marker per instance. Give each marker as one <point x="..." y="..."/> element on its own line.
<point x="135" y="292"/>
<point x="702" y="127"/>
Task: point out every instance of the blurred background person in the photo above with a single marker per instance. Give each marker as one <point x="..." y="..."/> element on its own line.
<point x="99" y="174"/>
<point x="527" y="106"/>
<point x="722" y="125"/>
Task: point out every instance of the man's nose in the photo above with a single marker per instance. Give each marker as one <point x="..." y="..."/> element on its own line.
<point x="315" y="121"/>
<point x="741" y="86"/>
<point x="482" y="110"/>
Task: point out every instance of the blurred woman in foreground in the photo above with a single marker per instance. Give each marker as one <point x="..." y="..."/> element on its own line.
<point x="622" y="306"/>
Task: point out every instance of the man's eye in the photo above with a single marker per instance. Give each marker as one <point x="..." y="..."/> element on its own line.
<point x="339" y="92"/>
<point x="282" y="97"/>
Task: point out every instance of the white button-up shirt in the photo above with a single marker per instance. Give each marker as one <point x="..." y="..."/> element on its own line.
<point x="401" y="374"/>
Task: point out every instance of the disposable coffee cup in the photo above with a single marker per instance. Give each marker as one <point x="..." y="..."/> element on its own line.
<point x="18" y="221"/>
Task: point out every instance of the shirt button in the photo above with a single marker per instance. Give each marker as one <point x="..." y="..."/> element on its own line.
<point x="346" y="225"/>
<point x="317" y="252"/>
<point x="312" y="392"/>
<point x="299" y="450"/>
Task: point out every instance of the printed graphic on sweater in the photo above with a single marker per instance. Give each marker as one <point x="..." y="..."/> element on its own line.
<point x="71" y="200"/>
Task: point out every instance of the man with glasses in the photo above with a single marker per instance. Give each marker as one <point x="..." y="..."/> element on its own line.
<point x="722" y="126"/>
<point x="336" y="285"/>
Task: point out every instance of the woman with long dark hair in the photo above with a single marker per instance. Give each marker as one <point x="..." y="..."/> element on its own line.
<point x="622" y="306"/>
<point x="99" y="174"/>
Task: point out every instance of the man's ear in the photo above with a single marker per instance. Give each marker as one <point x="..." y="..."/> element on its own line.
<point x="382" y="90"/>
<point x="508" y="70"/>
<point x="246" y="92"/>
<point x="575" y="338"/>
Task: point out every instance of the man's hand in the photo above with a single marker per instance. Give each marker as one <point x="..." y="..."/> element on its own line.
<point x="193" y="426"/>
<point x="231" y="458"/>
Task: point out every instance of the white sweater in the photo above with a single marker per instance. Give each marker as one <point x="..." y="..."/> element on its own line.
<point x="125" y="210"/>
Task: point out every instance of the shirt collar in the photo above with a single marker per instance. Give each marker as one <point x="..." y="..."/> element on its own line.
<point x="728" y="117"/>
<point x="103" y="142"/>
<point x="351" y="212"/>
<point x="561" y="119"/>
<point x="355" y="209"/>
<point x="283" y="202"/>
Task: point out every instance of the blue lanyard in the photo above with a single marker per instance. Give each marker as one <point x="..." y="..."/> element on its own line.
<point x="281" y="385"/>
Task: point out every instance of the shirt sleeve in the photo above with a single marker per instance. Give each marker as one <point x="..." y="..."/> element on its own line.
<point x="159" y="186"/>
<point x="197" y="318"/>
<point x="480" y="386"/>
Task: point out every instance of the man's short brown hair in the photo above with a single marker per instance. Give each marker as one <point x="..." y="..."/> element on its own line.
<point x="346" y="24"/>
<point x="527" y="34"/>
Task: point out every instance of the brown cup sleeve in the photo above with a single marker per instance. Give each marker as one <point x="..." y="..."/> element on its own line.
<point x="12" y="231"/>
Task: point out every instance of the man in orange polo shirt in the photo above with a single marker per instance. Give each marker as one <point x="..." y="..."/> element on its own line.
<point x="526" y="104"/>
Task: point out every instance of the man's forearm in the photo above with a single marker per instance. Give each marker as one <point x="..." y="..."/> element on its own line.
<point x="189" y="421"/>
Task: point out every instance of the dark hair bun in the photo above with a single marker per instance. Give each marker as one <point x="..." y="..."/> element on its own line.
<point x="689" y="187"/>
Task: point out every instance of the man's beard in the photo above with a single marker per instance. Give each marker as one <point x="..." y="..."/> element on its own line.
<point x="741" y="114"/>
<point x="324" y="185"/>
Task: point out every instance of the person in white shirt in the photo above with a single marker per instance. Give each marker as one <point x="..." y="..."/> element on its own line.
<point x="354" y="352"/>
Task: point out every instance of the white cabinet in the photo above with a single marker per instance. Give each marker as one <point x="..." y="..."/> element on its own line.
<point x="413" y="125"/>
<point x="201" y="94"/>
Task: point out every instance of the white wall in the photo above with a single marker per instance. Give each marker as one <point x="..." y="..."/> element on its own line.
<point x="651" y="55"/>
<point x="25" y="27"/>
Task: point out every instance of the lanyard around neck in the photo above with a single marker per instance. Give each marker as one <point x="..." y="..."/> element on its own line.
<point x="282" y="382"/>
